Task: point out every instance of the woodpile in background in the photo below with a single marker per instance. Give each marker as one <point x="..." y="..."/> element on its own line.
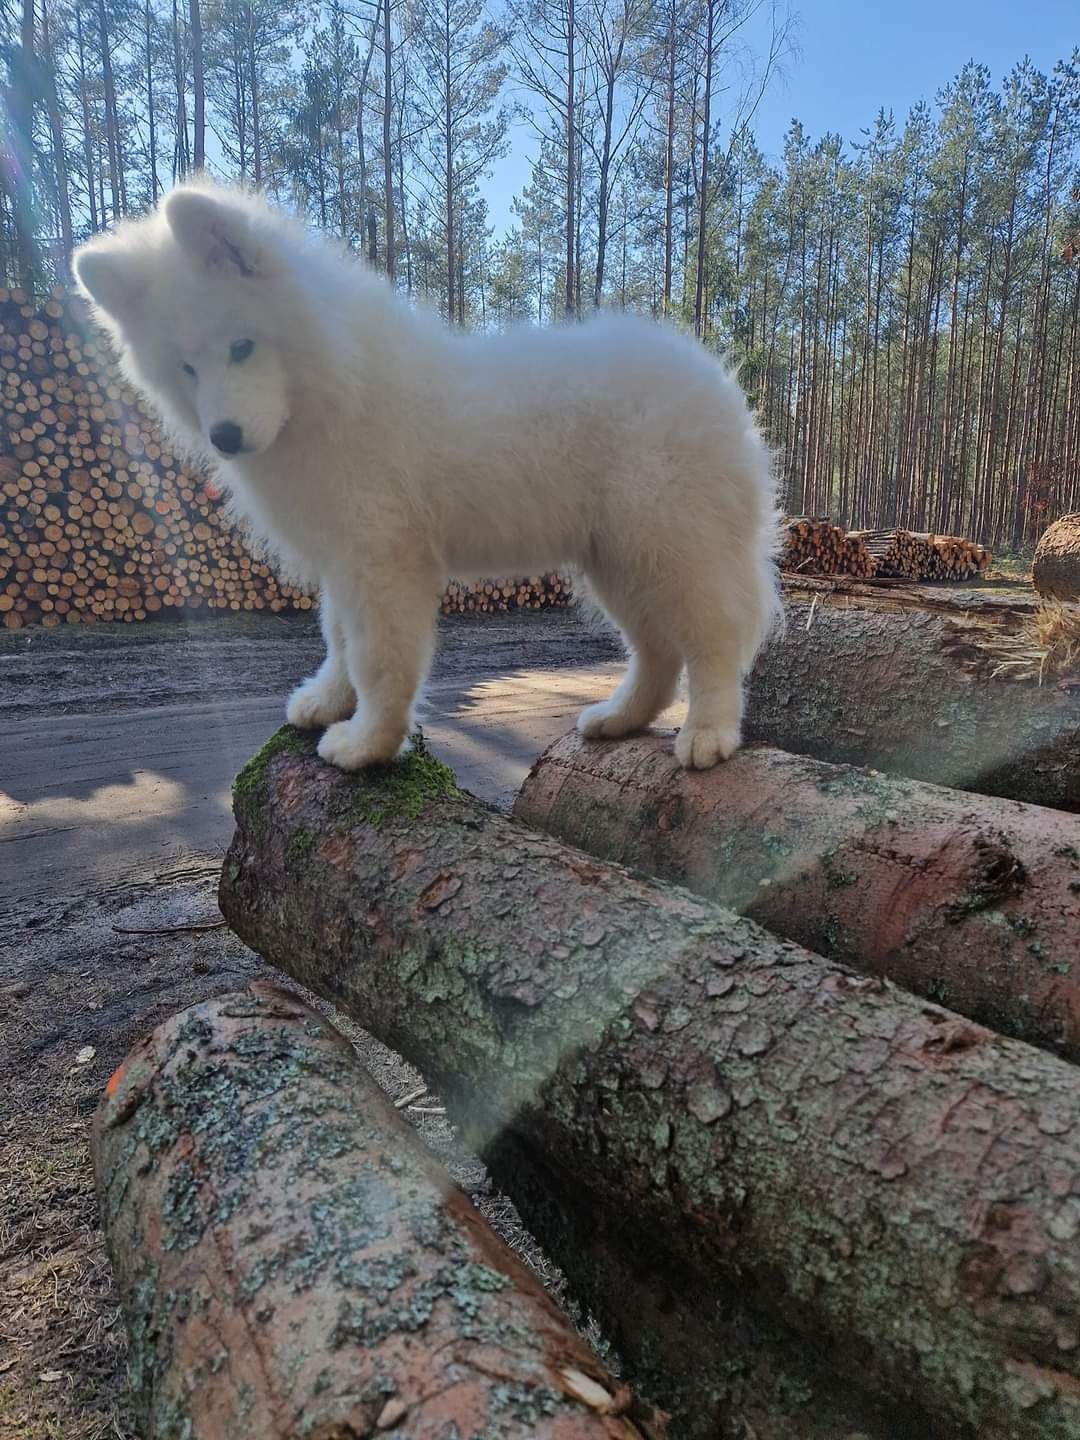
<point x="100" y="520"/>
<point x="536" y="592"/>
<point x="815" y="546"/>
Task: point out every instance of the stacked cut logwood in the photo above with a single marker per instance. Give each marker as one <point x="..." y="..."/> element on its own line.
<point x="485" y="597"/>
<point x="818" y="547"/>
<point x="905" y="555"/>
<point x="813" y="544"/>
<point x="101" y="520"/>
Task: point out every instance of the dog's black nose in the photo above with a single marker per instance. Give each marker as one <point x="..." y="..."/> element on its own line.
<point x="227" y="437"/>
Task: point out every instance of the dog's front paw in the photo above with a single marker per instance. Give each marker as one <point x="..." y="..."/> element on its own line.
<point x="315" y="704"/>
<point x="606" y="720"/>
<point x="352" y="746"/>
<point x="699" y="747"/>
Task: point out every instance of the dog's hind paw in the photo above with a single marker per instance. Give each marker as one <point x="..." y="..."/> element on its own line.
<point x="314" y="704"/>
<point x="699" y="747"/>
<point x="350" y="746"/>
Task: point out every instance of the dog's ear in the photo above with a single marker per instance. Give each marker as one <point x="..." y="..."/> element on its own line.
<point x="113" y="277"/>
<point x="214" y="232"/>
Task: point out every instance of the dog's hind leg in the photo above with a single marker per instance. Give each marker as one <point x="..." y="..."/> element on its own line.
<point x="655" y="663"/>
<point x="718" y="617"/>
<point x="328" y="695"/>
<point x="389" y="633"/>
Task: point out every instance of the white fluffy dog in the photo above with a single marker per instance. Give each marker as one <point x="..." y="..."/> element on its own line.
<point x="375" y="453"/>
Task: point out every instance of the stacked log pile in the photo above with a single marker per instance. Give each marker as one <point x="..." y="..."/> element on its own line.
<point x="746" y="1123"/>
<point x="489" y="597"/>
<point x="904" y="555"/>
<point x="815" y="546"/>
<point x="818" y="547"/>
<point x="101" y="520"/>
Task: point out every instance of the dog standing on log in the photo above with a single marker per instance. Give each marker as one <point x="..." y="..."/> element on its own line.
<point x="374" y="453"/>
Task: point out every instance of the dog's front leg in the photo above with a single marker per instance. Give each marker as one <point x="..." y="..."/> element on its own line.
<point x="389" y="633"/>
<point x="328" y="695"/>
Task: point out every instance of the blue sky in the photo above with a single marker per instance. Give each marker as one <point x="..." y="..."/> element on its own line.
<point x="857" y="56"/>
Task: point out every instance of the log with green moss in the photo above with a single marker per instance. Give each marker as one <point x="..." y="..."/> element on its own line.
<point x="903" y="680"/>
<point x="969" y="900"/>
<point x="894" y="1182"/>
<point x="292" y="1262"/>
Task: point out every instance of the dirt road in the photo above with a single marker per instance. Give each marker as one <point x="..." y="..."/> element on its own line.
<point x="117" y="752"/>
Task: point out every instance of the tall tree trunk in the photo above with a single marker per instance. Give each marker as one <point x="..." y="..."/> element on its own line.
<point x="19" y="167"/>
<point x="669" y="158"/>
<point x="59" y="152"/>
<point x="88" y="144"/>
<point x="571" y="159"/>
<point x="448" y="165"/>
<point x="182" y="153"/>
<point x="703" y="191"/>
<point x="195" y="22"/>
<point x="253" y="85"/>
<point x="603" y="197"/>
<point x="150" y="115"/>
<point x="112" y="137"/>
<point x="388" y="169"/>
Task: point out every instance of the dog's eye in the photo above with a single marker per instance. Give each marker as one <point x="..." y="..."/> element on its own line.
<point x="239" y="350"/>
<point x="189" y="370"/>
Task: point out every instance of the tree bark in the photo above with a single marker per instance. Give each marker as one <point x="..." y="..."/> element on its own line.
<point x="970" y="901"/>
<point x="291" y="1259"/>
<point x="879" y="1174"/>
<point x="891" y="677"/>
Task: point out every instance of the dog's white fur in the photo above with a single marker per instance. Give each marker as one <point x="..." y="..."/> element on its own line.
<point x="383" y="453"/>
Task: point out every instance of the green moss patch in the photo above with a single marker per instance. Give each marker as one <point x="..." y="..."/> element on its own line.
<point x="400" y="790"/>
<point x="251" y="777"/>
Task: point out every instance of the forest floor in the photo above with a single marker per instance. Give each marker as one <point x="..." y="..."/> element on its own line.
<point x="119" y="745"/>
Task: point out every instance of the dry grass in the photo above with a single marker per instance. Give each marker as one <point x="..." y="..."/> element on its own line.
<point x="61" y="1340"/>
<point x="1045" y="647"/>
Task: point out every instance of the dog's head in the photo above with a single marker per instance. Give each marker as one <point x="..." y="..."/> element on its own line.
<point x="186" y="294"/>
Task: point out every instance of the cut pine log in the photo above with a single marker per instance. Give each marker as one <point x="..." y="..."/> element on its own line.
<point x="292" y="1261"/>
<point x="971" y="901"/>
<point x="875" y="1172"/>
<point x="896" y="679"/>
